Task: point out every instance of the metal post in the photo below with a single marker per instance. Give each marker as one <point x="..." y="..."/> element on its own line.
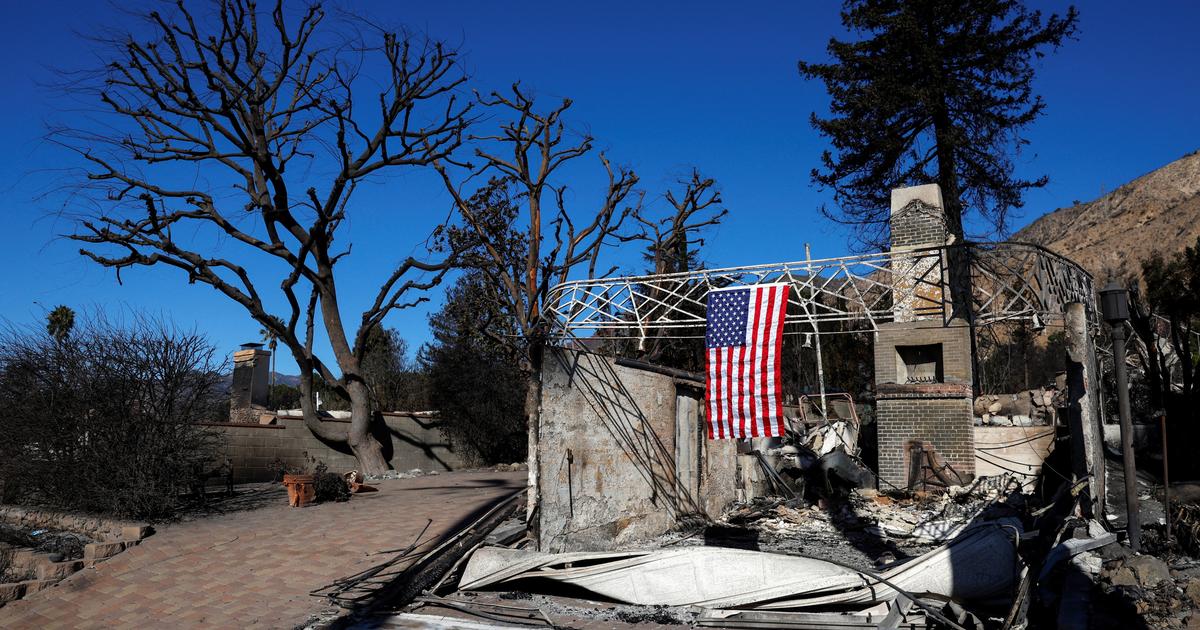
<point x="820" y="363"/>
<point x="1166" y="477"/>
<point x="1132" y="513"/>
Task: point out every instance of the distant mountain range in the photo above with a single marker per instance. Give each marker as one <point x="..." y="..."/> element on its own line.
<point x="1157" y="212"/>
<point x="280" y="379"/>
<point x="287" y="379"/>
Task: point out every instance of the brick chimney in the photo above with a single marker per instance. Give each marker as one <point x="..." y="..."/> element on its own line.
<point x="923" y="369"/>
<point x="251" y="375"/>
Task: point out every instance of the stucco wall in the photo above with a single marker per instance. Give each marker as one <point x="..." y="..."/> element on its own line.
<point x="617" y="458"/>
<point x="1017" y="450"/>
<point x="411" y="441"/>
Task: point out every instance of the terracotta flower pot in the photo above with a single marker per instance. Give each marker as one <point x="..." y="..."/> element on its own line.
<point x="301" y="490"/>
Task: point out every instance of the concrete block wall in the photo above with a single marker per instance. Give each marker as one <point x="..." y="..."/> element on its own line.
<point x="412" y="441"/>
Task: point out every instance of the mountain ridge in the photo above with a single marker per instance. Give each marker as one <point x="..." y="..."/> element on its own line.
<point x="1115" y="233"/>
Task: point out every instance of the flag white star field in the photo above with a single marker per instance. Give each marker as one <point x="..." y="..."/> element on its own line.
<point x="743" y="341"/>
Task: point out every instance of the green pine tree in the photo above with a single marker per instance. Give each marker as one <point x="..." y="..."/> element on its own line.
<point x="931" y="91"/>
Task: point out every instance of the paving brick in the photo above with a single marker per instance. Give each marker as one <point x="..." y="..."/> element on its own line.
<point x="256" y="567"/>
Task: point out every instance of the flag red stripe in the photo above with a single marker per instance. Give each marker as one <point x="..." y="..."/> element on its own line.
<point x="730" y="420"/>
<point x="755" y="417"/>
<point x="708" y="397"/>
<point x="783" y="290"/>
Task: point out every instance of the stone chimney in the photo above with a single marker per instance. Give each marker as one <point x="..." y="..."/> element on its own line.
<point x="251" y="375"/>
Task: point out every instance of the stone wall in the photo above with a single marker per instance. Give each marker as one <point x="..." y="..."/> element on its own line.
<point x="411" y="441"/>
<point x="622" y="454"/>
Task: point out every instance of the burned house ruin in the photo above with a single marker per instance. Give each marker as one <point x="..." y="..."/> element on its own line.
<point x="623" y="454"/>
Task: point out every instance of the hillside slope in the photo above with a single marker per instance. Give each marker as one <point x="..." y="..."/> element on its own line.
<point x="1159" y="211"/>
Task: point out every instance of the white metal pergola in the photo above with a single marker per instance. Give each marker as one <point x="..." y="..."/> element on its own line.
<point x="1009" y="282"/>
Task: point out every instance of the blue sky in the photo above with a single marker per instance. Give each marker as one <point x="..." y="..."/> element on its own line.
<point x="662" y="86"/>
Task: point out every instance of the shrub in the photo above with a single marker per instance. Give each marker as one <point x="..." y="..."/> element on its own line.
<point x="105" y="421"/>
<point x="328" y="486"/>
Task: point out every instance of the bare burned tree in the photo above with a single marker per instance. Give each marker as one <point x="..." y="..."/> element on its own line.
<point x="237" y="130"/>
<point x="674" y="238"/>
<point x="673" y="246"/>
<point x="527" y="152"/>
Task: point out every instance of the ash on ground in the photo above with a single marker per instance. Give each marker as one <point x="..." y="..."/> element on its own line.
<point x="865" y="529"/>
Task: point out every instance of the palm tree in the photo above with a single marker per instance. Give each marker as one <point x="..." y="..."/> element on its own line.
<point x="59" y="322"/>
<point x="269" y="338"/>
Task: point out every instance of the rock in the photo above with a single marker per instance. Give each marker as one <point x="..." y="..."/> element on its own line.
<point x="1150" y="571"/>
<point x="1114" y="552"/>
<point x="100" y="551"/>
<point x="135" y="532"/>
<point x="1022" y="404"/>
<point x="1193" y="591"/>
<point x="1123" y="577"/>
<point x="1193" y="622"/>
<point x="995" y="408"/>
<point x="33" y="586"/>
<point x="55" y="557"/>
<point x="58" y="570"/>
<point x="12" y="591"/>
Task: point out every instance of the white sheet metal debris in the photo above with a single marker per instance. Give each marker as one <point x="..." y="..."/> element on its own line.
<point x="979" y="564"/>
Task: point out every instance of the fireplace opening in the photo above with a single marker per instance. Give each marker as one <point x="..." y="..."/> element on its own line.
<point x="919" y="364"/>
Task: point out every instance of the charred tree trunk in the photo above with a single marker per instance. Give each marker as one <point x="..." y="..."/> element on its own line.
<point x="362" y="443"/>
<point x="367" y="450"/>
<point x="533" y="416"/>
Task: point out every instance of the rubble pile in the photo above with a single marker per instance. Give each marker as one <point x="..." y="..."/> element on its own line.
<point x="1022" y="409"/>
<point x="917" y="518"/>
<point x="400" y="474"/>
<point x="1146" y="588"/>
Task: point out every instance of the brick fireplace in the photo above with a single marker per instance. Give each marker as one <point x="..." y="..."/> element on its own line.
<point x="922" y="361"/>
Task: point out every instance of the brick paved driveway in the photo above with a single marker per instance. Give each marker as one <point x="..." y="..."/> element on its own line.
<point x="256" y="568"/>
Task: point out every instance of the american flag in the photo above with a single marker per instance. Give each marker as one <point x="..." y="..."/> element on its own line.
<point x="744" y="339"/>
